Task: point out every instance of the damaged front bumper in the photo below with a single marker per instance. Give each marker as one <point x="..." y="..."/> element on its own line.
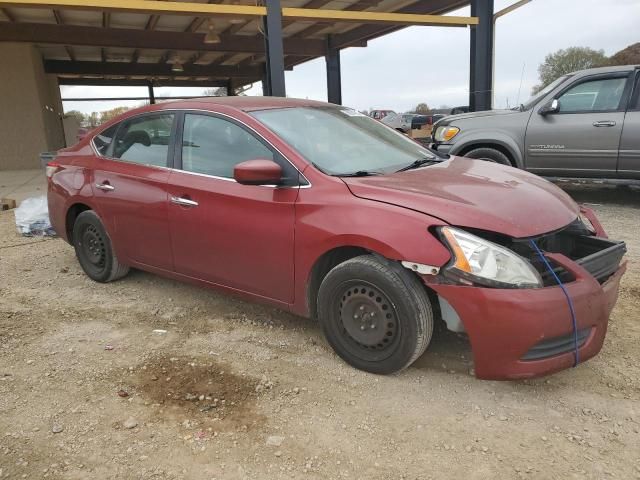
<point x="525" y="333"/>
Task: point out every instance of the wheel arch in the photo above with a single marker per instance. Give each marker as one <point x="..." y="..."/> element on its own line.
<point x="70" y="218"/>
<point x="323" y="265"/>
<point x="503" y="145"/>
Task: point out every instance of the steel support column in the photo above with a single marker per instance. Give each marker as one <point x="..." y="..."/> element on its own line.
<point x="334" y="82"/>
<point x="231" y="91"/>
<point x="481" y="56"/>
<point x="152" y="94"/>
<point x="274" y="50"/>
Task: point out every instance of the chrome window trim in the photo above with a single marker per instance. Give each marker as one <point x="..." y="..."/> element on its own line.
<point x="211" y="113"/>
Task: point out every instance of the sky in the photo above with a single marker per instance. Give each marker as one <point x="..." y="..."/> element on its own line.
<point x="431" y="64"/>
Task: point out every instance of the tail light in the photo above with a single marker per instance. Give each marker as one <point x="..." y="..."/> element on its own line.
<point x="52" y="167"/>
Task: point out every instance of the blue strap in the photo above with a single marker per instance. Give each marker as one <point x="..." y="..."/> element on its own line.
<point x="566" y="294"/>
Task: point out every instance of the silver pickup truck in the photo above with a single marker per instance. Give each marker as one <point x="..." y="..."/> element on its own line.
<point x="584" y="125"/>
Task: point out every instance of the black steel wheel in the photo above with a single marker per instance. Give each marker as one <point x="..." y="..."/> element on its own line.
<point x="375" y="314"/>
<point x="93" y="249"/>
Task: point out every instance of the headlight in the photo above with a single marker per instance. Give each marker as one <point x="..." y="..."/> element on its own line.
<point x="444" y="134"/>
<point x="587" y="223"/>
<point x="481" y="261"/>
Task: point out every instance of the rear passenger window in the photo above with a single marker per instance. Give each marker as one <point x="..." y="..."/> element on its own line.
<point x="213" y="146"/>
<point x="145" y="140"/>
<point x="103" y="140"/>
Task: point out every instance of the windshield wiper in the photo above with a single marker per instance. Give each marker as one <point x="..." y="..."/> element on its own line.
<point x="419" y="163"/>
<point x="360" y="173"/>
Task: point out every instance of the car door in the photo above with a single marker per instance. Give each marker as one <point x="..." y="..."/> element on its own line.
<point x="129" y="187"/>
<point x="580" y="139"/>
<point x="239" y="236"/>
<point x="629" y="159"/>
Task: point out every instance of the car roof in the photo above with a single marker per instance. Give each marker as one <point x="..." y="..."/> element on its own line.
<point x="616" y="68"/>
<point x="248" y="103"/>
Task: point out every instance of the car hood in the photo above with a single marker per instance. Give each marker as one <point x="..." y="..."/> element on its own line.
<point x="474" y="194"/>
<point x="485" y="113"/>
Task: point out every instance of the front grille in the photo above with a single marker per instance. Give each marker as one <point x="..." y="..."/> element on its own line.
<point x="556" y="345"/>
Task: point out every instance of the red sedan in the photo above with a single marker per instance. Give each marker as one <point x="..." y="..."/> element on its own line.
<point x="320" y="210"/>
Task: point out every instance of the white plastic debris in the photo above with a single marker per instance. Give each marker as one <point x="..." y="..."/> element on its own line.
<point x="32" y="217"/>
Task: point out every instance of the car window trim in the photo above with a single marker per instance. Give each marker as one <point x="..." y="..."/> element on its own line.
<point x="179" y="112"/>
<point x="171" y="144"/>
<point x="622" y="105"/>
<point x="303" y="181"/>
<point x="634" y="97"/>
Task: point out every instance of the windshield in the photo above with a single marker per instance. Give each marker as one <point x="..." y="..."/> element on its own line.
<point x="341" y="141"/>
<point x="542" y="93"/>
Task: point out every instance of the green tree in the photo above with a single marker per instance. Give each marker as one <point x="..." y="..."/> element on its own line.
<point x="215" y="92"/>
<point x="77" y="114"/>
<point x="92" y="120"/>
<point x="111" y="114"/>
<point x="422" y="108"/>
<point x="627" y="56"/>
<point x="566" y="61"/>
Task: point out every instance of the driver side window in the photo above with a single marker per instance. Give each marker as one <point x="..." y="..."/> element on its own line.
<point x="598" y="95"/>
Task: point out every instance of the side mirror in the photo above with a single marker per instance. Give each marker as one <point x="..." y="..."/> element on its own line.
<point x="258" y="172"/>
<point x="551" y="107"/>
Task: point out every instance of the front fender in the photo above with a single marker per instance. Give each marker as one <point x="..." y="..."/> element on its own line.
<point x="393" y="232"/>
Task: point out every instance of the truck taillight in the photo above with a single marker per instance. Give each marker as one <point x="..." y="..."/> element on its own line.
<point x="52" y="167"/>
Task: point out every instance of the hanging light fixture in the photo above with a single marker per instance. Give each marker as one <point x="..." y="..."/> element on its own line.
<point x="211" y="36"/>
<point x="236" y="21"/>
<point x="177" y="65"/>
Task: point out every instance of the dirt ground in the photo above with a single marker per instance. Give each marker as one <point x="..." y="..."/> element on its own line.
<point x="148" y="378"/>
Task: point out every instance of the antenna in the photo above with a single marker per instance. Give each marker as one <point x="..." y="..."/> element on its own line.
<point x="520" y="87"/>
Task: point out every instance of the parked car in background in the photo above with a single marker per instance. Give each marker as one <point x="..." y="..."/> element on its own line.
<point x="317" y="209"/>
<point x="585" y="124"/>
<point x="380" y="114"/>
<point x="420" y="120"/>
<point x="400" y="121"/>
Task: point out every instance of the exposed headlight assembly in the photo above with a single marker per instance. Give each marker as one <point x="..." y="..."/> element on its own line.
<point x="479" y="261"/>
<point x="444" y="134"/>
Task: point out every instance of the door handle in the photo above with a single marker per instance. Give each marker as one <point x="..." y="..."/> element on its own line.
<point x="185" y="202"/>
<point x="105" y="187"/>
<point x="604" y="123"/>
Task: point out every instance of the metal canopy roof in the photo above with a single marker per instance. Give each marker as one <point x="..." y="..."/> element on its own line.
<point x="137" y="41"/>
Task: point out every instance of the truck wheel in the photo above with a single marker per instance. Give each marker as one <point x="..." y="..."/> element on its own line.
<point x="488" y="154"/>
<point x="94" y="251"/>
<point x="375" y="314"/>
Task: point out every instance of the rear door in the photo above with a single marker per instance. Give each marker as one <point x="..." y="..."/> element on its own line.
<point x="583" y="137"/>
<point x="239" y="236"/>
<point x="130" y="179"/>
<point x="629" y="159"/>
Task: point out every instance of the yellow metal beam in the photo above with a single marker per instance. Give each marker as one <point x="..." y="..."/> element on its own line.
<point x="377" y="17"/>
<point x="205" y="9"/>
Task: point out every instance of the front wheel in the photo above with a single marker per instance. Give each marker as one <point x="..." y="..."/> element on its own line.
<point x="489" y="155"/>
<point x="94" y="250"/>
<point x="375" y="314"/>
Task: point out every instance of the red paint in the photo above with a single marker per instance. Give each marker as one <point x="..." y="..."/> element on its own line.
<point x="257" y="172"/>
<point x="262" y="242"/>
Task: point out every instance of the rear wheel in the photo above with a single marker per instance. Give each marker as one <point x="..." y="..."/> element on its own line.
<point x="375" y="314"/>
<point x="94" y="250"/>
<point x="489" y="155"/>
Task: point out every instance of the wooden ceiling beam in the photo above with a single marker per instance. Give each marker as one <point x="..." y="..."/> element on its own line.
<point x="140" y="82"/>
<point x="63" y="67"/>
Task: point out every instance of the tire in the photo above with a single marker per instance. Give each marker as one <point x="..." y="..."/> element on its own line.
<point x="401" y="326"/>
<point x="94" y="251"/>
<point x="489" y="155"/>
